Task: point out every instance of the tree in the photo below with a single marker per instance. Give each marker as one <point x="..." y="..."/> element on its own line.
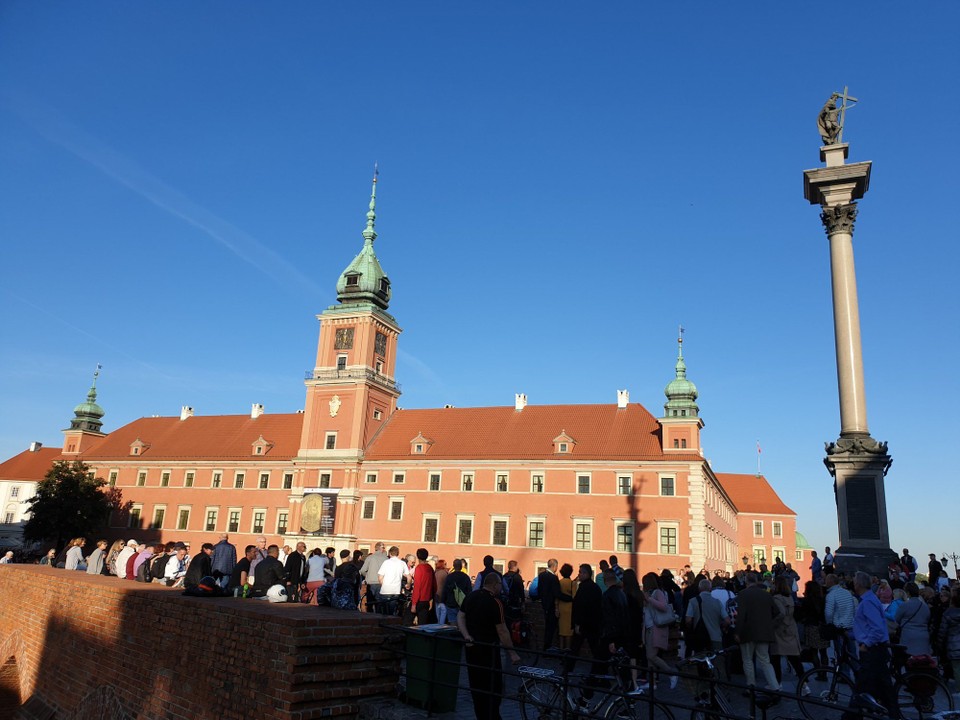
<point x="70" y="502"/>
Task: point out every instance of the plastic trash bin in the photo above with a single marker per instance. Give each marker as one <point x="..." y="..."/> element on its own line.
<point x="433" y="667"/>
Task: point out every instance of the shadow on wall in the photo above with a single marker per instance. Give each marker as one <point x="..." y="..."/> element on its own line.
<point x="82" y="647"/>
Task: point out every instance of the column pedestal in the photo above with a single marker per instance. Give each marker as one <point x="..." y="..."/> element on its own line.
<point x="858" y="464"/>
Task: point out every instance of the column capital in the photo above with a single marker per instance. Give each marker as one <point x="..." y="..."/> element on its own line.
<point x="839" y="218"/>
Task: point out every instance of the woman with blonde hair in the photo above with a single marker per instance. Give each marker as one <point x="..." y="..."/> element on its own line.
<point x="74" y="560"/>
<point x="110" y="566"/>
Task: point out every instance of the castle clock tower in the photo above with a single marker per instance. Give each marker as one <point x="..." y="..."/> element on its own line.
<point x="352" y="391"/>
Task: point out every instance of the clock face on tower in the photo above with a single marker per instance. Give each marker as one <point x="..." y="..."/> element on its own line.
<point x="344" y="339"/>
<point x="380" y="345"/>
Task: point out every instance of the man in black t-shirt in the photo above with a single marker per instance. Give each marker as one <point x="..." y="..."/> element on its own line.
<point x="268" y="572"/>
<point x="200" y="567"/>
<point x="482" y="625"/>
<point x="238" y="578"/>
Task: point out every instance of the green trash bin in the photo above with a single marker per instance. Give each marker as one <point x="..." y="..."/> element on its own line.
<point x="433" y="667"/>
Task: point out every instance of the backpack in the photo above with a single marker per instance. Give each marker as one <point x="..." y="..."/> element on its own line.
<point x="535" y="588"/>
<point x="699" y="638"/>
<point x="513" y="598"/>
<point x="459" y="596"/>
<point x="158" y="566"/>
<point x="143" y="572"/>
<point x="732" y="608"/>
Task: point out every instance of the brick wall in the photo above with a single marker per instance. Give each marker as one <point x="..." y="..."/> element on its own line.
<point x="90" y="647"/>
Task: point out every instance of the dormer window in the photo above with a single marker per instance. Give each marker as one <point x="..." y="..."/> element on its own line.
<point x="420" y="444"/>
<point x="261" y="446"/>
<point x="138" y="446"/>
<point x="384" y="285"/>
<point x="353" y="280"/>
<point x="563" y="443"/>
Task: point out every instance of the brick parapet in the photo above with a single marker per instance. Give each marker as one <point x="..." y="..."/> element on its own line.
<point x="78" y="640"/>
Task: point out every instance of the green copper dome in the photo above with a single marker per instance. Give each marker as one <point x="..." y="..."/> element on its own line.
<point x="364" y="281"/>
<point x="681" y="393"/>
<point x="87" y="415"/>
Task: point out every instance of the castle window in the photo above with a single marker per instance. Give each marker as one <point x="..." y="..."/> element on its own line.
<point x="165" y="479"/>
<point x="758" y="528"/>
<point x="264" y="480"/>
<point x="396" y="509"/>
<point x="331" y="442"/>
<point x="667" y="487"/>
<point x="135" y="512"/>
<point x="498" y="533"/>
<point x="535" y="533"/>
<point x="188" y="479"/>
<point x="369" y="508"/>
<point x="371" y="477"/>
<point x="211" y="524"/>
<point x="676" y="443"/>
<point x="418" y="448"/>
<point x="217" y="480"/>
<point x="583" y="534"/>
<point x="324" y="480"/>
<point x="502" y="482"/>
<point x="341" y="362"/>
<point x="234" y="523"/>
<point x="434" y="482"/>
<point x="378" y="414"/>
<point x="668" y="539"/>
<point x="259" y="519"/>
<point x="625" y="537"/>
<point x="287" y="481"/>
<point x="141" y="478"/>
<point x="583" y="484"/>
<point x="777" y="529"/>
<point x="683" y="443"/>
<point x="625" y="485"/>
<point x="238" y="480"/>
<point x="112" y="482"/>
<point x="431" y="528"/>
<point x="158" y="513"/>
<point x="562" y="447"/>
<point x="282" y="518"/>
<point x="536" y="483"/>
<point x="464" y="531"/>
<point x="353" y="280"/>
<point x="399" y="478"/>
<point x="183" y="518"/>
<point x="467" y="482"/>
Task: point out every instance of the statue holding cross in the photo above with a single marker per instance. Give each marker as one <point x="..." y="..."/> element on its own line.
<point x="831" y="119"/>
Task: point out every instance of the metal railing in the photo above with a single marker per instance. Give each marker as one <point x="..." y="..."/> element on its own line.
<point x="352" y="374"/>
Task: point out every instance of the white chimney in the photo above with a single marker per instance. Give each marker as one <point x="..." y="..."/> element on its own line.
<point x="256" y="410"/>
<point x="185" y="412"/>
<point x="34" y="446"/>
<point x="521" y="401"/>
<point x="623" y="397"/>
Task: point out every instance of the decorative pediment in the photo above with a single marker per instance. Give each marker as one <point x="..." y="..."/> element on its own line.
<point x="261" y="446"/>
<point x="139" y="447"/>
<point x="563" y="443"/>
<point x="420" y="445"/>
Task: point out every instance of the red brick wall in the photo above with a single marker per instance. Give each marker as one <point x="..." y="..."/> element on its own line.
<point x="85" y="644"/>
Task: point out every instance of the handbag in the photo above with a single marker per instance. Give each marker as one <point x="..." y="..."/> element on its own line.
<point x="664" y="618"/>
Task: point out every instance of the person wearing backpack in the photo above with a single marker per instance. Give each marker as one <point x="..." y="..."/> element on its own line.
<point x="455" y="590"/>
<point x="705" y="620"/>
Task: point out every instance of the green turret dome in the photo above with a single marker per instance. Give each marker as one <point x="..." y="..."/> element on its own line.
<point x="681" y="393"/>
<point x="364" y="281"/>
<point x="88" y="415"/>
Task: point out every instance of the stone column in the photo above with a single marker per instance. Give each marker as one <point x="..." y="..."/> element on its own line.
<point x="857" y="462"/>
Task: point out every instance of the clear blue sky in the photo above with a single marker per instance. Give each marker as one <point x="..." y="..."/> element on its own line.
<point x="562" y="184"/>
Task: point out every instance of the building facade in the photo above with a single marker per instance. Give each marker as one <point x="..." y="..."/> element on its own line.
<point x="519" y="482"/>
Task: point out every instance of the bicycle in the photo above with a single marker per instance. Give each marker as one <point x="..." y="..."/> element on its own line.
<point x="918" y="694"/>
<point x="546" y="694"/>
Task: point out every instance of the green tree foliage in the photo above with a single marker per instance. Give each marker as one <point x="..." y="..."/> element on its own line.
<point x="70" y="502"/>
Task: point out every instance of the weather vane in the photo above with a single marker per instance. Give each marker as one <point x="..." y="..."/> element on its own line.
<point x="831" y="119"/>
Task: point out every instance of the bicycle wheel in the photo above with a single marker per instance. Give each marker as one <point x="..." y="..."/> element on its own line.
<point x="638" y="708"/>
<point x="540" y="700"/>
<point x="828" y="698"/>
<point x="920" y="695"/>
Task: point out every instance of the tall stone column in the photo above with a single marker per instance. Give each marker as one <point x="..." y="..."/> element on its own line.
<point x="857" y="462"/>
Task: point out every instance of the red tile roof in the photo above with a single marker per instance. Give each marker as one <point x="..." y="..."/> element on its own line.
<point x="29" y="465"/>
<point x="753" y="494"/>
<point x="600" y="432"/>
<point x="214" y="437"/>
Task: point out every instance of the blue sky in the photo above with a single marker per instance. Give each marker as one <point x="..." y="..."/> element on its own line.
<point x="562" y="185"/>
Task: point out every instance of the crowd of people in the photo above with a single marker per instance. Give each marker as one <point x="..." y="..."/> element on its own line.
<point x="763" y="610"/>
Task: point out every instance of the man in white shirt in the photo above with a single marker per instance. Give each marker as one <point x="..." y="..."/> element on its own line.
<point x="391" y="576"/>
<point x="121" y="564"/>
<point x="176" y="567"/>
